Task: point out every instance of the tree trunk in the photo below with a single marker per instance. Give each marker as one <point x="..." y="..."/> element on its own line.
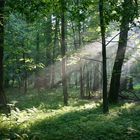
<point x="116" y="73"/>
<point x="87" y="84"/>
<point x="74" y="36"/>
<point x="102" y="26"/>
<point x="54" y="51"/>
<point x="129" y="12"/>
<point x="25" y="73"/>
<point x="79" y="26"/>
<point x="90" y="79"/>
<point x="37" y="61"/>
<point x="63" y="52"/>
<point x="49" y="47"/>
<point x="79" y="34"/>
<point x="81" y="81"/>
<point x="96" y="81"/>
<point x="2" y="94"/>
<point x="76" y="79"/>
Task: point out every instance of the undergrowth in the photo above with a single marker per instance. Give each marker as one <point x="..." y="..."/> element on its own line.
<point x="43" y="117"/>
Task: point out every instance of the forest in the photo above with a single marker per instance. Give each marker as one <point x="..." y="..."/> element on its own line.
<point x="69" y="69"/>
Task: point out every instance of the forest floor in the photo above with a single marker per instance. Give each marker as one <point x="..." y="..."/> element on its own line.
<point x="43" y="117"/>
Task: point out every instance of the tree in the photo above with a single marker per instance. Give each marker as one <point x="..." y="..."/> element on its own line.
<point x="55" y="45"/>
<point x="81" y="80"/>
<point x="37" y="60"/>
<point x="129" y="8"/>
<point x="102" y="26"/>
<point x="2" y="94"/>
<point x="63" y="51"/>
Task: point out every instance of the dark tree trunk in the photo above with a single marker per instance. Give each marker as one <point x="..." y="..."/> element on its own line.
<point x="116" y="73"/>
<point x="79" y="26"/>
<point x="102" y="25"/>
<point x="2" y="94"/>
<point x="63" y="52"/>
<point x="74" y="37"/>
<point x="37" y="61"/>
<point x="79" y="34"/>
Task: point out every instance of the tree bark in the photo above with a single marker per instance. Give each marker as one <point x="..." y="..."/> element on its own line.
<point x="63" y="52"/>
<point x="2" y="94"/>
<point x="74" y="36"/>
<point x="102" y="26"/>
<point x="116" y="73"/>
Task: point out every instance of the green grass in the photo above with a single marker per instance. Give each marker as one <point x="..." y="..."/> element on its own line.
<point x="43" y="117"/>
<point x="137" y="87"/>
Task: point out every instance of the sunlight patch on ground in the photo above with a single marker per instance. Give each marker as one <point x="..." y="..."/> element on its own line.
<point x="128" y="106"/>
<point x="27" y="117"/>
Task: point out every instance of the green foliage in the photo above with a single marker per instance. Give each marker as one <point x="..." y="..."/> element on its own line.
<point x="41" y="116"/>
<point x="25" y="53"/>
<point x="116" y="9"/>
<point x="82" y="119"/>
<point x="29" y="9"/>
<point x="137" y="87"/>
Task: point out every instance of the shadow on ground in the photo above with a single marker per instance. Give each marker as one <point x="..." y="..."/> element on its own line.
<point x="90" y="124"/>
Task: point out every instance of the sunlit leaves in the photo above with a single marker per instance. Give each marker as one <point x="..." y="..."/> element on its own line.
<point x="115" y="9"/>
<point x="30" y="9"/>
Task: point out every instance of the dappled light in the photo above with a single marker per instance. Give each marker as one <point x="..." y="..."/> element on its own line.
<point x="69" y="70"/>
<point x="87" y="120"/>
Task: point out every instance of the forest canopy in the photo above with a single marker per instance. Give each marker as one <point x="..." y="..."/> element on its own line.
<point x="61" y="58"/>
